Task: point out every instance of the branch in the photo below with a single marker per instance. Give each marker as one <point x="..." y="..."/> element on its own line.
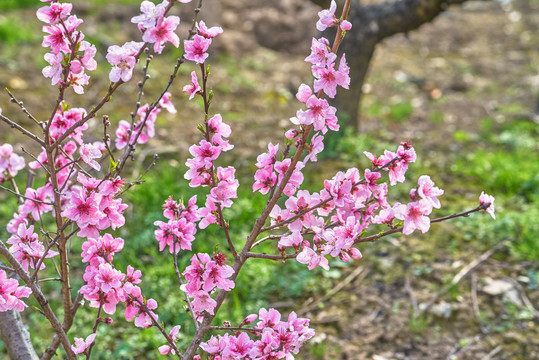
<point x="14" y="125"/>
<point x="397" y="230"/>
<point x="393" y="17"/>
<point x="36" y="291"/>
<point x="51" y="350"/>
<point x="180" y="281"/>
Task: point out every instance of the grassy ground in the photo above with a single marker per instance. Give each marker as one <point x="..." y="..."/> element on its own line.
<point x="461" y="89"/>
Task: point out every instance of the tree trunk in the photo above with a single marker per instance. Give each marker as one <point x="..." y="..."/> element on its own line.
<point x="15" y="336"/>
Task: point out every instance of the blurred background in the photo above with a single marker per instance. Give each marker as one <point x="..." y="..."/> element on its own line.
<point x="463" y="88"/>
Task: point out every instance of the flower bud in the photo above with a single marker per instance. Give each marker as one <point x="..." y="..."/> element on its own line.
<point x="355" y="253"/>
<point x="249" y="319"/>
<point x="344" y="256"/>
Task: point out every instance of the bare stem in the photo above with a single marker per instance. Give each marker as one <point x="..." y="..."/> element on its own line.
<point x="36" y="291"/>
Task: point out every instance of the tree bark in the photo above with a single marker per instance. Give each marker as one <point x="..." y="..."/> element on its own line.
<point x="15" y="336"/>
<point x="371" y="25"/>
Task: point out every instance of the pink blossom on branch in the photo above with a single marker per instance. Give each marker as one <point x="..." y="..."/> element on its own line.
<point x="208" y="33"/>
<point x="150" y="14"/>
<point x="88" y="154"/>
<point x="162" y="33"/>
<point x="54" y="13"/>
<point x="195" y="50"/>
<point x="11" y="293"/>
<point x="487" y="199"/>
<point x="123" y="60"/>
<point x="193" y="88"/>
<point x="81" y="345"/>
<point x="327" y="17"/>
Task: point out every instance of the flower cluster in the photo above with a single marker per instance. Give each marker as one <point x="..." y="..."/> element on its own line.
<point x="327" y="19"/>
<point x="27" y="249"/>
<point x="179" y="232"/>
<point x="196" y="49"/>
<point x="10" y="163"/>
<point x="156" y="28"/>
<point x="203" y="276"/>
<point x="201" y="170"/>
<point x="94" y="206"/>
<point x="11" y="293"/>
<point x="276" y="339"/>
<point x="106" y="286"/>
<point x="70" y="55"/>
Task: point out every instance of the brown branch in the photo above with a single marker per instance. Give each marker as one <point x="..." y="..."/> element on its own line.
<point x="38" y="295"/>
<point x="259" y="223"/>
<point x="180" y="282"/>
<point x="51" y="350"/>
<point x="14" y="125"/>
<point x="397" y="230"/>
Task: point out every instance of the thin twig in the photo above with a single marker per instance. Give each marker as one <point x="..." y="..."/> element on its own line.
<point x="180" y="282"/>
<point x="232" y="328"/>
<point x="156" y="324"/>
<point x="36" y="291"/>
<point x="397" y="230"/>
<point x="23" y="108"/>
<point x="14" y="125"/>
<point x="16" y="189"/>
<point x="25" y="197"/>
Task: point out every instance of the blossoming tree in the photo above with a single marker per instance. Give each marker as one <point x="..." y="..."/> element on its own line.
<point x="80" y="199"/>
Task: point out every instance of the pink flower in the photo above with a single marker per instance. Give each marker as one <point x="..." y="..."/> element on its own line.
<point x="54" y="70"/>
<point x="195" y="50"/>
<point x="87" y="58"/>
<point x="56" y="39"/>
<point x="54" y="13"/>
<point x="312" y="258"/>
<point x="165" y="349"/>
<point x="81" y="345"/>
<point x="150" y="14"/>
<point x="123" y="60"/>
<point x="165" y="103"/>
<point x="218" y="129"/>
<point x="345" y="25"/>
<point x="193" y="88"/>
<point x="108" y="278"/>
<point x="328" y="78"/>
<point x="426" y="190"/>
<point x="265" y="179"/>
<point x="208" y="33"/>
<point x="39" y="207"/>
<point x="202" y="301"/>
<point x="327" y="17"/>
<point x="11" y="293"/>
<point x="163" y="32"/>
<point x="414" y="215"/>
<point x="320" y="53"/>
<point x="227" y="187"/>
<point x="484" y="199"/>
<point x="9" y="161"/>
<point x="78" y="81"/>
<point x="88" y="153"/>
<point x="84" y="209"/>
